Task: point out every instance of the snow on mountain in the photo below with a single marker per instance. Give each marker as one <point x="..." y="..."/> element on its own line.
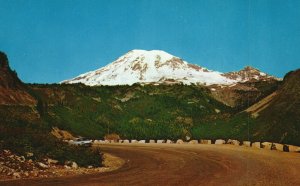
<point x="249" y="74"/>
<point x="155" y="66"/>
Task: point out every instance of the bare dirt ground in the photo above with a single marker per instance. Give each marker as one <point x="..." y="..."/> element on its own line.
<point x="187" y="164"/>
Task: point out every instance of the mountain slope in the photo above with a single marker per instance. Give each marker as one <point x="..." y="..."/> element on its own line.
<point x="278" y="114"/>
<point x="286" y="98"/>
<point x="155" y="66"/>
<point x="251" y="86"/>
<point x="12" y="90"/>
<point x="244" y="94"/>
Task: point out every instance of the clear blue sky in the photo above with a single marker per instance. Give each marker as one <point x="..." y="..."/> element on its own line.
<point x="51" y="40"/>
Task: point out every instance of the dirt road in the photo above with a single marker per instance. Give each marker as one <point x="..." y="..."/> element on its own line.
<point x="172" y="164"/>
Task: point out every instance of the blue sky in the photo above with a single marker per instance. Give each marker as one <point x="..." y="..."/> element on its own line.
<point x="51" y="40"/>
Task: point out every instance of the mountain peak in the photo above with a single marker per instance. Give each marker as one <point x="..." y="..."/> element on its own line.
<point x="249" y="73"/>
<point x="250" y="68"/>
<point x="3" y="61"/>
<point x="153" y="52"/>
<point x="148" y="56"/>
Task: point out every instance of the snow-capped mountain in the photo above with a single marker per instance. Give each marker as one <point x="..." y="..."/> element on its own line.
<point x="155" y="66"/>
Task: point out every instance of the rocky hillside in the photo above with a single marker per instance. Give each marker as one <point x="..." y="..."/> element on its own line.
<point x="252" y="85"/>
<point x="244" y="94"/>
<point x="12" y="90"/>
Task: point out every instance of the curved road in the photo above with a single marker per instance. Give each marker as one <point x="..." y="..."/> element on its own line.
<point x="172" y="164"/>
